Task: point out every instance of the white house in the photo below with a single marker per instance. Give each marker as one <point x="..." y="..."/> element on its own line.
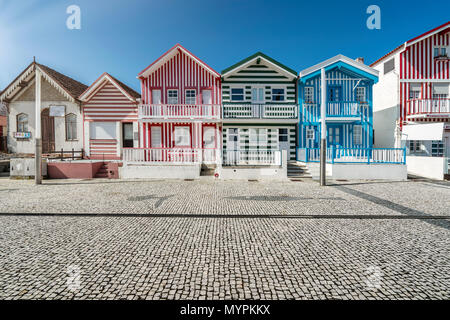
<point x="61" y="116"/>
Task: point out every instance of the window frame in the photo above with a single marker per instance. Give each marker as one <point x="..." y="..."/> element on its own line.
<point x="189" y="137"/>
<point x="440" y="147"/>
<point x="357" y="139"/>
<point x="237" y="94"/>
<point x="364" y="100"/>
<point x="272" y="94"/>
<point x="19" y="122"/>
<point x="71" y="123"/>
<point x="258" y="88"/>
<point x="415" y="146"/>
<point x="168" y="98"/>
<point x="186" y="97"/>
<point x="308" y="136"/>
<point x="305" y="94"/>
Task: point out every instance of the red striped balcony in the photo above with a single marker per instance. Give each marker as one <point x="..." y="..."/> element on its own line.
<point x="179" y="112"/>
<point x="428" y="108"/>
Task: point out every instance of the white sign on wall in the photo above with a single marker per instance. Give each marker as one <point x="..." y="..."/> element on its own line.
<point x="57" y="111"/>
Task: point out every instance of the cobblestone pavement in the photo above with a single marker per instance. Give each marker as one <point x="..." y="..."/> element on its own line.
<point x="173" y="247"/>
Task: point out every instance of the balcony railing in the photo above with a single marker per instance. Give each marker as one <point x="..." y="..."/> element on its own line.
<point x="252" y="157"/>
<point x="354" y="155"/>
<point x="170" y="155"/>
<point x="260" y="111"/>
<point x="337" y="109"/>
<point x="179" y="111"/>
<point x="428" y="106"/>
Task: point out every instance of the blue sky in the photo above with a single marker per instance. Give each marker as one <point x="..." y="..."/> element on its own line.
<point x="123" y="37"/>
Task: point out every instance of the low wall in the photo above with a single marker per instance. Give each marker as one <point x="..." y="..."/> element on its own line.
<point x="25" y="167"/>
<point x="252" y="173"/>
<point x="428" y="167"/>
<point x="255" y="172"/>
<point x="73" y="170"/>
<point x="373" y="171"/>
<point x="159" y="171"/>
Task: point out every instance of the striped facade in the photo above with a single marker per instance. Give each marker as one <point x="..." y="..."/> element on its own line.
<point x="106" y="106"/>
<point x="418" y="66"/>
<point x="257" y="76"/>
<point x="310" y="110"/>
<point x="180" y="70"/>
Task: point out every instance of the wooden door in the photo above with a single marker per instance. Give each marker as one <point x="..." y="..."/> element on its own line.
<point x="48" y="131"/>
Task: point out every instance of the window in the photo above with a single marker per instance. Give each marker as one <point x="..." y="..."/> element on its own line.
<point x="22" y="122"/>
<point x="257" y="95"/>
<point x="283" y="135"/>
<point x="437" y="148"/>
<point x="190" y="96"/>
<point x="258" y="137"/>
<point x="361" y="94"/>
<point x="439" y="52"/>
<point x="277" y="94"/>
<point x="389" y="66"/>
<point x="357" y="134"/>
<point x="71" y="127"/>
<point x="172" y="96"/>
<point x="232" y="134"/>
<point x="334" y="94"/>
<point x="440" y="90"/>
<point x="310" y="134"/>
<point x="206" y="97"/>
<point x="237" y="94"/>
<point x="415" y="146"/>
<point x="156" y="96"/>
<point x="309" y="94"/>
<point x="182" y="137"/>
<point x="414" y="90"/>
<point x="102" y="130"/>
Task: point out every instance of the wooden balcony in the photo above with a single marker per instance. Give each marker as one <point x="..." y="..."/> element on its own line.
<point x="423" y="108"/>
<point x="251" y="112"/>
<point x="178" y="112"/>
<point x="336" y="110"/>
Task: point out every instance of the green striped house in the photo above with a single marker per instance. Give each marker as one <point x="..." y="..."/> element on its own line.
<point x="260" y="110"/>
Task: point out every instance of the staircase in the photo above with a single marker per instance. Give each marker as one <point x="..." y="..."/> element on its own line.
<point x="102" y="172"/>
<point x="297" y="171"/>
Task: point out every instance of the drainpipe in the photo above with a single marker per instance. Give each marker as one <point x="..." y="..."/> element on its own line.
<point x="323" y="138"/>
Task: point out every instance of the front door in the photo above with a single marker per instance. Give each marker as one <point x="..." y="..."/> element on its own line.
<point x="156" y="153"/>
<point x="127" y="134"/>
<point x="48" y="131"/>
<point x="209" y="144"/>
<point x="334" y="136"/>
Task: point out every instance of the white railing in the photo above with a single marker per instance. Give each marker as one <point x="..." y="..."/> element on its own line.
<point x="260" y="111"/>
<point x="344" y="108"/>
<point x="252" y="157"/>
<point x="425" y="106"/>
<point x="354" y="155"/>
<point x="179" y="111"/>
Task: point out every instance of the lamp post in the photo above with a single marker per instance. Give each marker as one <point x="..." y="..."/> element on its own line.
<point x="323" y="136"/>
<point x="37" y="134"/>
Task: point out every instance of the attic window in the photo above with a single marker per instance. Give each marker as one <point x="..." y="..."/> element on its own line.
<point x="389" y="66"/>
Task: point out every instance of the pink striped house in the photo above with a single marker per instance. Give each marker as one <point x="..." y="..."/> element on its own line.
<point x="109" y="118"/>
<point x="179" y="116"/>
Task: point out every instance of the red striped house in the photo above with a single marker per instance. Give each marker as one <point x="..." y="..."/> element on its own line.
<point x="109" y="118"/>
<point x="413" y="89"/>
<point x="180" y="114"/>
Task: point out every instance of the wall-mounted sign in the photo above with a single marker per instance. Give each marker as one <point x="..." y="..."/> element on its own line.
<point x="22" y="135"/>
<point x="57" y="111"/>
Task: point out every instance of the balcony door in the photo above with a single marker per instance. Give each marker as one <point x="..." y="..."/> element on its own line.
<point x="334" y="98"/>
<point x="127" y="135"/>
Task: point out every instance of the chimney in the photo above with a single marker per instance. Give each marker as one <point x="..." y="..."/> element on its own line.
<point x="360" y="60"/>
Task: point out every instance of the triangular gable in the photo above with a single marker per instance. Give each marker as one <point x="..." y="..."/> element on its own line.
<point x="168" y="56"/>
<point x="340" y="61"/>
<point x="104" y="79"/>
<point x="259" y="58"/>
<point x="67" y="86"/>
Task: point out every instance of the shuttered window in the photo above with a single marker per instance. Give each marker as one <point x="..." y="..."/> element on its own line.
<point x="357" y="134"/>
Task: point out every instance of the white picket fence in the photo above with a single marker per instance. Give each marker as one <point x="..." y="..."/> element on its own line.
<point x="251" y="157"/>
<point x="353" y="155"/>
<point x="170" y="155"/>
<point x="179" y="111"/>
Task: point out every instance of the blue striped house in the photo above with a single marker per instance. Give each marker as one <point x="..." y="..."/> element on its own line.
<point x="349" y="107"/>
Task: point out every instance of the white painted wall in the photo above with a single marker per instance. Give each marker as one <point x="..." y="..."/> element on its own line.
<point x="28" y="107"/>
<point x="356" y="171"/>
<point x="386" y="98"/>
<point x="158" y="171"/>
<point x="428" y="167"/>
